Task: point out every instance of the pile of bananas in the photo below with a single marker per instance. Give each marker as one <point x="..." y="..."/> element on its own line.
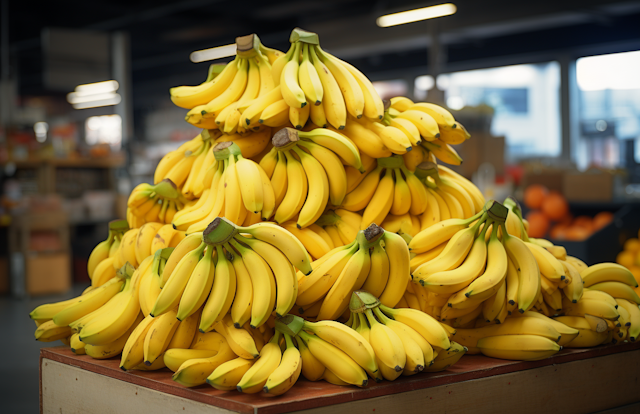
<point x="305" y="201"/>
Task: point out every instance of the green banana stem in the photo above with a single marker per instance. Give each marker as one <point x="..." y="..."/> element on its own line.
<point x="219" y="232"/>
<point x="290" y="324"/>
<point x="126" y="271"/>
<point x="361" y="300"/>
<point x="299" y="35"/>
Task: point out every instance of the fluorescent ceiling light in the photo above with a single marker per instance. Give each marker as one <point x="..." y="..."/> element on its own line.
<point x="213" y="53"/>
<point x="73" y="98"/>
<point x="415" y="15"/>
<point x="96" y="88"/>
<point x="113" y="100"/>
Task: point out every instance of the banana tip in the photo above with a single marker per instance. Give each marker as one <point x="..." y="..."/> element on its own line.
<point x="236" y="325"/>
<point x="239" y="388"/>
<point x="397" y="368"/>
<point x="409" y="149"/>
<point x="124" y="369"/>
<point x="147" y="363"/>
<point x="266" y="389"/>
<point x="341" y="127"/>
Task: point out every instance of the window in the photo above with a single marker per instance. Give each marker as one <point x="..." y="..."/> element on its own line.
<point x="609" y="107"/>
<point x="525" y="100"/>
<point x="105" y="129"/>
<point x="389" y="89"/>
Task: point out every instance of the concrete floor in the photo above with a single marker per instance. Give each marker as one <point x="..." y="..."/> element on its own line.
<point x="19" y="371"/>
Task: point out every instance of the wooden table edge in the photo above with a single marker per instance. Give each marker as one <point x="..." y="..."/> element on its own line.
<point x="274" y="406"/>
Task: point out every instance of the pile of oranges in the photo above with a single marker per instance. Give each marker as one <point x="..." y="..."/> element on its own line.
<point x="549" y="214"/>
<point x="630" y="256"/>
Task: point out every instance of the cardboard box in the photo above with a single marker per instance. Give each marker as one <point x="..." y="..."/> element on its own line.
<point x="47" y="273"/>
<point x="480" y="148"/>
<point x="592" y="185"/>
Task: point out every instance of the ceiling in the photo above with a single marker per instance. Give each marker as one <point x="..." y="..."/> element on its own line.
<point x="481" y="33"/>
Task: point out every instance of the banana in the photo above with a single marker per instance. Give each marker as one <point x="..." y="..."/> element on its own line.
<point x="347" y="340"/>
<point x="488" y="283"/>
<point x="222" y="290"/>
<point x="239" y="339"/>
<point x="456" y="279"/>
<point x="443" y="151"/>
<point x="314" y="238"/>
<point x="174" y="358"/>
<point x="634" y="317"/>
<point x="231" y="94"/>
<point x="454" y="136"/>
<point x="438" y="234"/>
<point x="172" y="158"/>
<point x="388" y="347"/>
<point x="227" y="375"/>
<point x="316" y="200"/>
<point x="593" y="307"/>
<point x="298" y="117"/>
<point x="191" y="96"/>
<point x="518" y="347"/>
<point x="401" y="196"/>
<point x="312" y="369"/>
<point x="586" y="337"/>
<point x="194" y="372"/>
<point x="429" y="328"/>
<point x="381" y="202"/>
<point x="577" y="263"/>
<point x="451" y="257"/>
<point x="380" y="271"/>
<point x="100" y="253"/>
<point x="242" y="302"/>
<point x="573" y="290"/>
<point x="198" y="286"/>
<point x="77" y="347"/>
<point x="144" y="240"/>
<point x="166" y="237"/>
<point x="159" y="335"/>
<point x="185" y="246"/>
<point x="351" y="278"/>
<point x="250" y="184"/>
<point x="341" y="364"/>
<point x="186" y="331"/>
<point x="174" y="287"/>
<point x="401" y="103"/>
<point x="408" y="128"/>
<point x="309" y="80"/>
<point x="284" y="273"/>
<point x="523" y="325"/>
<point x="360" y="197"/>
<point x="529" y="274"/>
<point x="438" y="113"/>
<point x="318" y="116"/>
<point x="252" y="110"/>
<point x="263" y="285"/>
<point x="367" y="141"/>
<point x="392" y="138"/>
<point x="113" y="348"/>
<point x="607" y="272"/>
<point x="427" y="126"/>
<point x="549" y="266"/>
<point x="48" y="332"/>
<point x="296" y="192"/>
<point x="445" y="359"/>
<point x="335" y="172"/>
<point x="254" y="380"/>
<point x="333" y="101"/>
<point x="399" y="266"/>
<point x="410" y="339"/>
<point x="567" y="333"/>
<point x="349" y="86"/>
<point x="107" y="327"/>
<point x="617" y="290"/>
<point x="283" y="240"/>
<point x="88" y="303"/>
<point x="287" y="373"/>
<point x="276" y="114"/>
<point x="291" y="91"/>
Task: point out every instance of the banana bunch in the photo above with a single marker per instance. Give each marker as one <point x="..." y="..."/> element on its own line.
<point x="228" y="272"/>
<point x="315" y="84"/>
<point x="137" y="244"/>
<point x="189" y="166"/>
<point x="154" y="336"/>
<point x="99" y="321"/>
<point x="240" y="191"/>
<point x="405" y="341"/>
<point x="252" y="143"/>
<point x="428" y="125"/>
<point x="377" y="260"/>
<point x="306" y="172"/>
<point x="100" y="263"/>
<point x="154" y="203"/>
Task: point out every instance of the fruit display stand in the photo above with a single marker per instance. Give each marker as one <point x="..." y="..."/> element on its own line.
<point x="572" y="381"/>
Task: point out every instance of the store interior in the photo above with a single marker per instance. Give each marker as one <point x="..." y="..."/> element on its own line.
<point x="548" y="90"/>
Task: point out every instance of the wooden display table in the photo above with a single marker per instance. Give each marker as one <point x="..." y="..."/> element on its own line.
<point x="573" y="381"/>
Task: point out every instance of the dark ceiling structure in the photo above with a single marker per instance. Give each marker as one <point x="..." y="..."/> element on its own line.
<point x="481" y="33"/>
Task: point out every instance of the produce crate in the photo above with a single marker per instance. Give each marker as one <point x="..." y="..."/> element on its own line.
<point x="572" y="381"/>
<point x="605" y="244"/>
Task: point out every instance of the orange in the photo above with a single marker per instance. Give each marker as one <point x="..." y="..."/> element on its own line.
<point x="555" y="206"/>
<point x="559" y="231"/>
<point x="538" y="224"/>
<point x="577" y="233"/>
<point x="602" y="219"/>
<point x="534" y="196"/>
<point x="626" y="258"/>
<point x="632" y="245"/>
